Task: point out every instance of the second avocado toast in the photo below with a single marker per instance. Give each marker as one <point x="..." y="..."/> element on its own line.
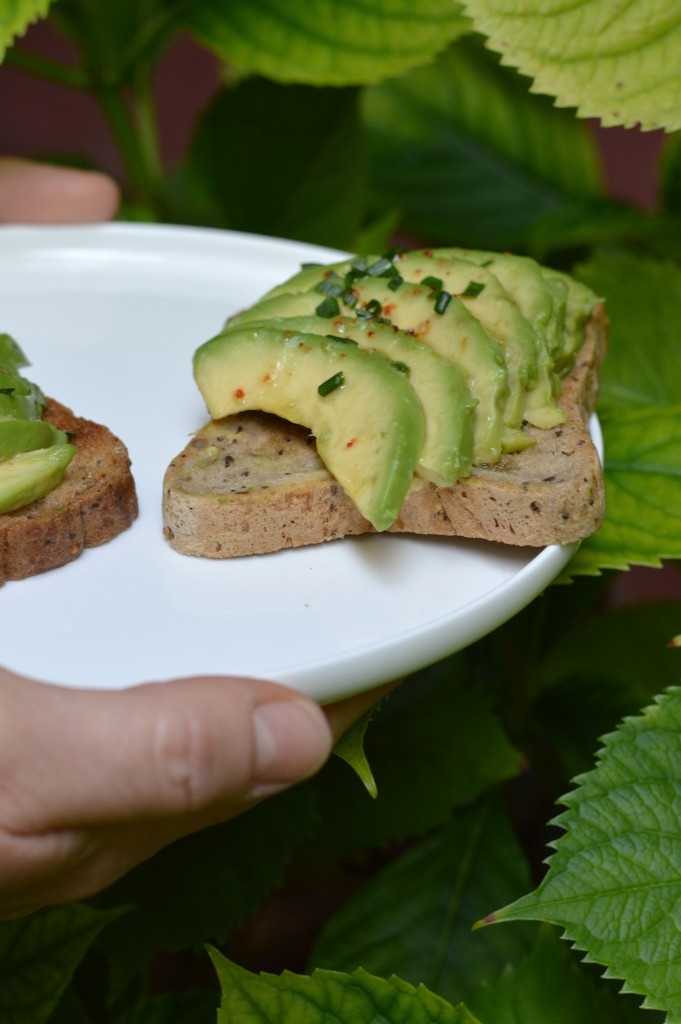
<point x="437" y="392"/>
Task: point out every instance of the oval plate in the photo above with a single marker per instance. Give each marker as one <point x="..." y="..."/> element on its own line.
<point x="110" y="317"/>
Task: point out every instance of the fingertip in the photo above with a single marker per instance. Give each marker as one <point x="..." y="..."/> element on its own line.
<point x="292" y="740"/>
<point x="37" y="193"/>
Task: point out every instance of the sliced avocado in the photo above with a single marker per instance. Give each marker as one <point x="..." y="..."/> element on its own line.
<point x="526" y="351"/>
<point x="454" y="335"/>
<point x="27" y="435"/>
<point x="364" y="413"/>
<point x="19" y="397"/>
<point x="11" y="356"/>
<point x="440" y="385"/>
<point x="541" y="300"/>
<point x="28" y="476"/>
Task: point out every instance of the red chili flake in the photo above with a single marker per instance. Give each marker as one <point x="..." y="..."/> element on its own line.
<point x="428" y="253"/>
<point x="239" y="393"/>
<point x="351" y="443"/>
<point x="370" y="334"/>
<point x="389" y="308"/>
<point x="266" y="378"/>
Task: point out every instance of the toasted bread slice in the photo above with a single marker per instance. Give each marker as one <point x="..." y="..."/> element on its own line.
<point x="95" y="502"/>
<point x="252" y="484"/>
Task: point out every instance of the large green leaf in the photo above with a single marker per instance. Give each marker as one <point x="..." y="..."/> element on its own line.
<point x="114" y="38"/>
<point x="618" y="62"/>
<point x="471" y="156"/>
<point x="527" y="992"/>
<point x="642" y="489"/>
<point x="323" y="42"/>
<point x="613" y="882"/>
<point x="38" y="956"/>
<point x="415" y="916"/>
<point x="327" y="996"/>
<point x="206" y="884"/>
<point x="436" y="743"/>
<point x="643" y="300"/>
<point x="629" y="661"/>
<point x="641" y="384"/>
<point x="280" y="160"/>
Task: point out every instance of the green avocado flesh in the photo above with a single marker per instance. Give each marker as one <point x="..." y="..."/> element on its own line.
<point x="28" y="476"/>
<point x="479" y="340"/>
<point x="33" y="454"/>
<point x="364" y="414"/>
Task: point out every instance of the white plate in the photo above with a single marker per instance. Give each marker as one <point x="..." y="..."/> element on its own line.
<point x="110" y="317"/>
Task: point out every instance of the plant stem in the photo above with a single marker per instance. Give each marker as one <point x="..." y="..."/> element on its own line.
<point x="73" y="78"/>
<point x="133" y="128"/>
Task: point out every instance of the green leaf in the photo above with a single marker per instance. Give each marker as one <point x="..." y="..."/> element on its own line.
<point x="16" y="17"/>
<point x="526" y="993"/>
<point x="171" y="1008"/>
<point x="326" y="996"/>
<point x="618" y="63"/>
<point x="469" y="154"/>
<point x="643" y="300"/>
<point x="206" y="884"/>
<point x="322" y="42"/>
<point x="350" y="748"/>
<point x="114" y="39"/>
<point x="415" y="916"/>
<point x="436" y="743"/>
<point x="642" y="491"/>
<point x="281" y="160"/>
<point x="38" y="956"/>
<point x="629" y="662"/>
<point x="613" y="883"/>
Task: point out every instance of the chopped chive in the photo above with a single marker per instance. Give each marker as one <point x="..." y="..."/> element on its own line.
<point x="433" y="282"/>
<point x="331" y="285"/>
<point x="395" y="282"/>
<point x="472" y="290"/>
<point x="360" y="264"/>
<point x="442" y="301"/>
<point x="402" y="367"/>
<point x="380" y="267"/>
<point x="328" y="308"/>
<point x="348" y="298"/>
<point x="373" y="307"/>
<point x="327" y="386"/>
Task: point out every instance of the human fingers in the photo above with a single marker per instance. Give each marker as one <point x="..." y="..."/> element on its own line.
<point x="36" y="193"/>
<point x="93" y="782"/>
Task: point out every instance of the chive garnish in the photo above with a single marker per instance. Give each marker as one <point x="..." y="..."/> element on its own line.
<point x="372" y="308"/>
<point x="402" y="367"/>
<point x="380" y="267"/>
<point x="328" y="308"/>
<point x="395" y="282"/>
<point x="442" y="301"/>
<point x="327" y="386"/>
<point x="433" y="282"/>
<point x="331" y="285"/>
<point x="472" y="290"/>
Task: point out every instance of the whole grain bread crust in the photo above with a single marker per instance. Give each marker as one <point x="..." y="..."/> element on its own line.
<point x="95" y="502"/>
<point x="253" y="484"/>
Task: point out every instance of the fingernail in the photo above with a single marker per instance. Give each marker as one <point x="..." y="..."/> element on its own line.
<point x="292" y="740"/>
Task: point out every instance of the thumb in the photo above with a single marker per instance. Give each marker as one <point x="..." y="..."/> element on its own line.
<point x="32" y="192"/>
<point x="198" y="750"/>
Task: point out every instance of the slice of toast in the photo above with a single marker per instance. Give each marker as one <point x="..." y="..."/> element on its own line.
<point x="94" y="502"/>
<point x="253" y="484"/>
